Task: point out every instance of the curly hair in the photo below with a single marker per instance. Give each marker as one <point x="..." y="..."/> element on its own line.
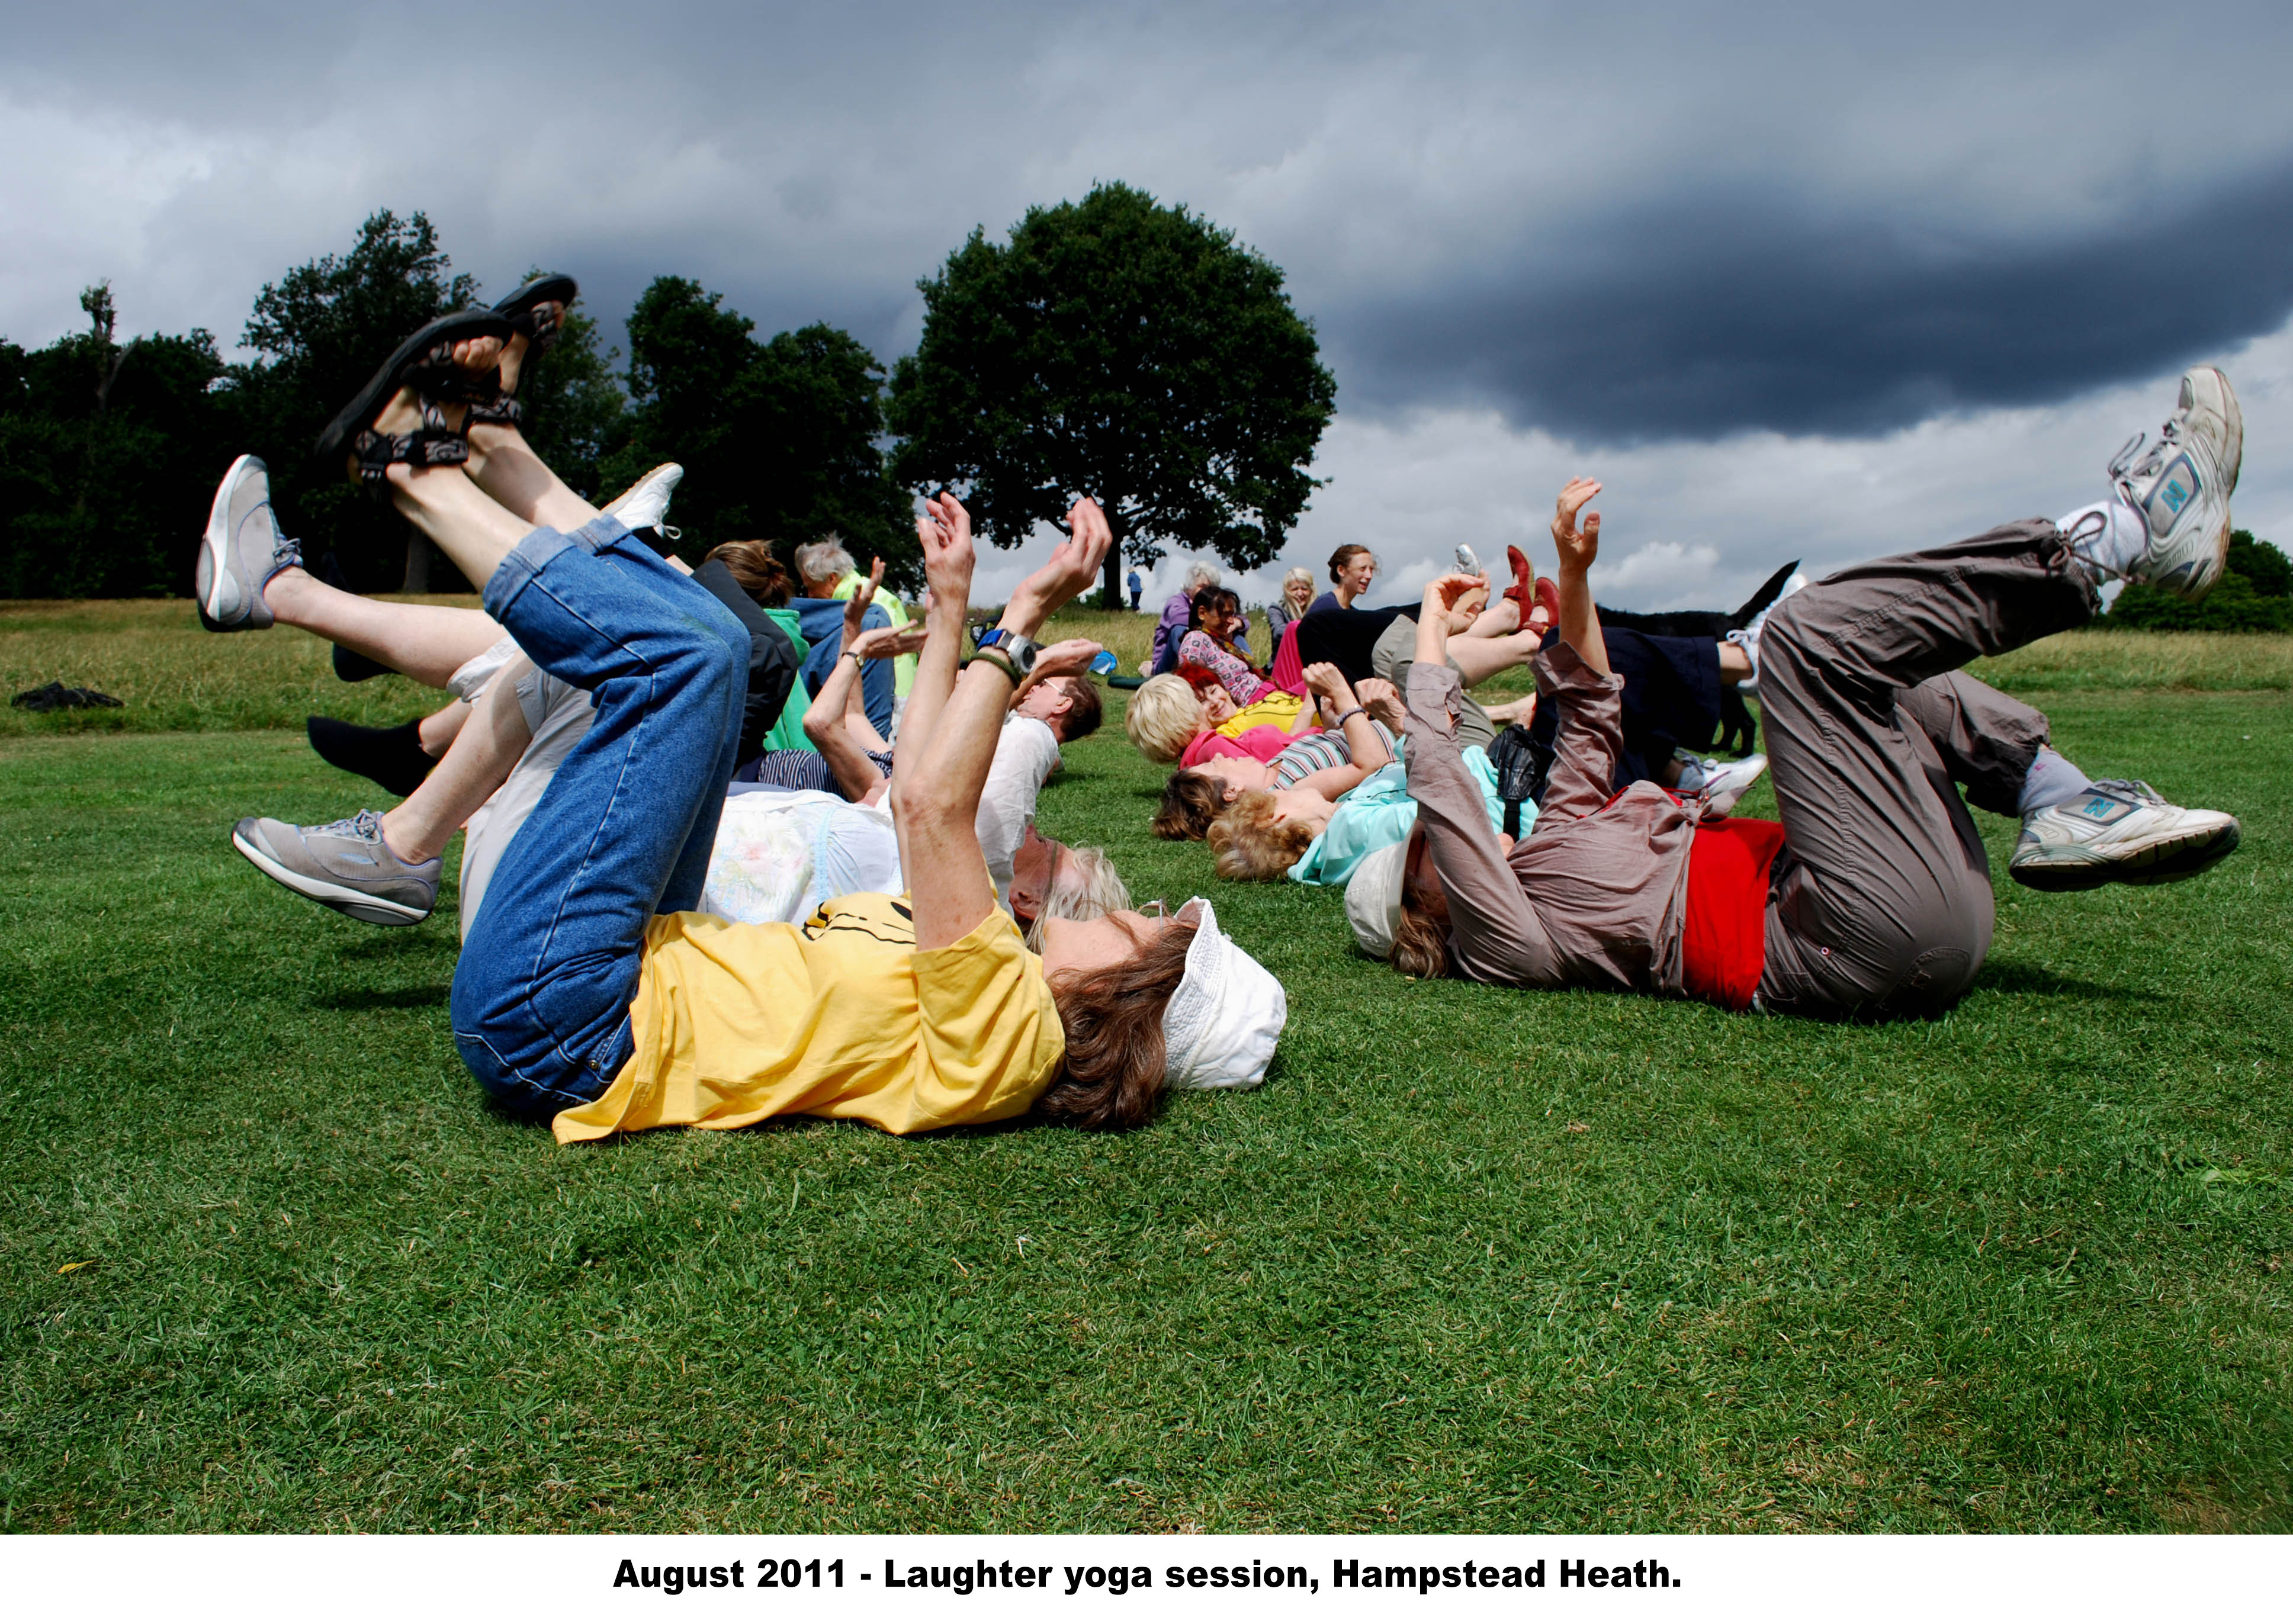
<point x="1191" y="803"/>
<point x="1251" y="845"/>
<point x="1112" y="1076"/>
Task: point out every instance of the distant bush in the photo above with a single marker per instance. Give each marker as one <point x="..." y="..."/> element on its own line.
<point x="2254" y="594"/>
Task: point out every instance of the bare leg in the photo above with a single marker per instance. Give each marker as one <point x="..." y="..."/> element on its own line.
<point x="469" y="525"/>
<point x="438" y="730"/>
<point x="507" y="468"/>
<point x="487" y="747"/>
<point x="1501" y="618"/>
<point x="425" y="641"/>
<point x="1479" y="658"/>
<point x="1735" y="664"/>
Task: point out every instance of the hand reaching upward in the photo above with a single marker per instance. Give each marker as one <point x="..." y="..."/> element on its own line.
<point x="943" y="530"/>
<point x="1579" y="546"/>
<point x="1070" y="570"/>
<point x="855" y="607"/>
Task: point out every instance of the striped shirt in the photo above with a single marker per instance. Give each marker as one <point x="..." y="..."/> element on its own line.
<point x="1318" y="751"/>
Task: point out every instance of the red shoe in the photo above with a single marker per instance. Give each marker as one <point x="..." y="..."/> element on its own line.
<point x="1523" y="590"/>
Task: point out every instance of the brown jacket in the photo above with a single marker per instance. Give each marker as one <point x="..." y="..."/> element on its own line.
<point x="1596" y="893"/>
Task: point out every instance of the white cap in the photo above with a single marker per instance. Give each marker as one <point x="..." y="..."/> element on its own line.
<point x="1374" y="899"/>
<point x="1220" y="1026"/>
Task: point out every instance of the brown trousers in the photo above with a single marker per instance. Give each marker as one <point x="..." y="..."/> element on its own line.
<point x="1880" y="905"/>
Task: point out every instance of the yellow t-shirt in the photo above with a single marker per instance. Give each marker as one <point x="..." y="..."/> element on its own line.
<point x="1273" y="708"/>
<point x="838" y="1017"/>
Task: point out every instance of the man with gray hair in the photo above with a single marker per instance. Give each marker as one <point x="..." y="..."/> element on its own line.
<point x="821" y="565"/>
<point x="1177" y="611"/>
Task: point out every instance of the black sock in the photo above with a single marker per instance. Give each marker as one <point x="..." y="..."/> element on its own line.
<point x="392" y="756"/>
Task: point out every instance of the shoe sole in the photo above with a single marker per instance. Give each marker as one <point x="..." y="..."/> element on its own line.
<point x="335" y="439"/>
<point x="214" y="566"/>
<point x="355" y="904"/>
<point x="2160" y="865"/>
<point x="2232" y="416"/>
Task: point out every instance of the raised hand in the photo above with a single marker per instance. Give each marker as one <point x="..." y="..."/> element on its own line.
<point x="943" y="530"/>
<point x="1579" y="546"/>
<point x="1382" y="700"/>
<point x="883" y="642"/>
<point x="1325" y="681"/>
<point x="1454" y="600"/>
<point x="1072" y="569"/>
<point x="855" y="607"/>
<point x="1069" y="657"/>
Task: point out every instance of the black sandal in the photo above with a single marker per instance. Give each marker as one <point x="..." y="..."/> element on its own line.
<point x="424" y="363"/>
<point x="489" y="401"/>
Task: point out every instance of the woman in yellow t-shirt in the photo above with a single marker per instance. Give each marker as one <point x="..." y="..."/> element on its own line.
<point x="588" y="993"/>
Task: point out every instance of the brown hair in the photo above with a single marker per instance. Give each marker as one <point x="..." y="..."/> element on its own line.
<point x="761" y="576"/>
<point x="1420" y="935"/>
<point x="1112" y="1076"/>
<point x="1191" y="803"/>
<point x="1252" y="845"/>
<point x="1084" y="709"/>
<point x="1343" y="557"/>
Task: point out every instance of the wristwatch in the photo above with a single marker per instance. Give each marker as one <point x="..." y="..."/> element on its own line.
<point x="1019" y="650"/>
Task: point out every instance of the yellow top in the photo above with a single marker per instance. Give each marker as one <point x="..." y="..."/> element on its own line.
<point x="838" y="1017"/>
<point x="1273" y="708"/>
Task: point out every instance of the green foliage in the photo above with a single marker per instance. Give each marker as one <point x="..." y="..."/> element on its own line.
<point x="2254" y="594"/>
<point x="575" y="414"/>
<point x="778" y="440"/>
<point x="1124" y="351"/>
<point x="321" y="330"/>
<point x="105" y="457"/>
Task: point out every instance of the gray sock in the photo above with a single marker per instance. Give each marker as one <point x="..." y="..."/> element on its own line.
<point x="2053" y="779"/>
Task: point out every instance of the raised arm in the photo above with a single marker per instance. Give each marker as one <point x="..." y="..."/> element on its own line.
<point x="1580" y="621"/>
<point x="936" y="791"/>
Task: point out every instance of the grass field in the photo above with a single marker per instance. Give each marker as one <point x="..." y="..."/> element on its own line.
<point x="1470" y="1259"/>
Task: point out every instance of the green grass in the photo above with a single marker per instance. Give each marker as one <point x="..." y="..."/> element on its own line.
<point x="1470" y="1259"/>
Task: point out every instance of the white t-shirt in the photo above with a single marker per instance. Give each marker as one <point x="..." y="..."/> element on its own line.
<point x="1027" y="753"/>
<point x="781" y="854"/>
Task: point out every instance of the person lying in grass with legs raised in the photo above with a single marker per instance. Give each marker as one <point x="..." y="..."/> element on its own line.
<point x="588" y="993"/>
<point x="1871" y="899"/>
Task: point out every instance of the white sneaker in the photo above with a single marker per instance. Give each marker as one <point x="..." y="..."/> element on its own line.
<point x="644" y="505"/>
<point x="2120" y="831"/>
<point x="1724" y="783"/>
<point x="240" y="551"/>
<point x="2181" y="487"/>
<point x="1748" y="638"/>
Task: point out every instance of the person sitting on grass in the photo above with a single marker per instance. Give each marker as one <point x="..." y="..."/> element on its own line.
<point x="1871" y="899"/>
<point x="591" y="996"/>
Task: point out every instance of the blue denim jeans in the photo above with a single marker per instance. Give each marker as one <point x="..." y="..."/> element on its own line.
<point x="542" y="993"/>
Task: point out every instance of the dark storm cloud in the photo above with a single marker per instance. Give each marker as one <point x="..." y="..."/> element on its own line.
<point x="1703" y="316"/>
<point x="1630" y="222"/>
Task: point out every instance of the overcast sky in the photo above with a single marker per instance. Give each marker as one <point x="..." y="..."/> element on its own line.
<point x="1794" y="282"/>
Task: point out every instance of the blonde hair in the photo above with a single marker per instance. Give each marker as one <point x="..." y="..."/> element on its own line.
<point x="1251" y="845"/>
<point x="1164" y="716"/>
<point x="1298" y="577"/>
<point x="1085" y="887"/>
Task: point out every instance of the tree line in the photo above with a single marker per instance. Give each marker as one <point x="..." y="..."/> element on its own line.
<point x="1116" y="346"/>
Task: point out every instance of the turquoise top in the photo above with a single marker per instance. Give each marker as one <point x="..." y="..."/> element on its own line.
<point x="1377" y="813"/>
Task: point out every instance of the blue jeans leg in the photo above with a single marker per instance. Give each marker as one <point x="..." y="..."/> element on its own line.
<point x="542" y="993"/>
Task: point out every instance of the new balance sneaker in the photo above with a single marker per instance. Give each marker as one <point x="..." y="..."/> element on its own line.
<point x="1725" y="782"/>
<point x="2181" y="487"/>
<point x="644" y="505"/>
<point x="241" y="552"/>
<point x="2121" y="832"/>
<point x="345" y="866"/>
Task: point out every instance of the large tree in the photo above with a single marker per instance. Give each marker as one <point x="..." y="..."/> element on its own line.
<point x="779" y="439"/>
<point x="1121" y="349"/>
<point x="321" y="330"/>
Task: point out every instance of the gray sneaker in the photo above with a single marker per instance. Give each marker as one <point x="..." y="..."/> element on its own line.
<point x="2121" y="832"/>
<point x="345" y="866"/>
<point x="241" y="552"/>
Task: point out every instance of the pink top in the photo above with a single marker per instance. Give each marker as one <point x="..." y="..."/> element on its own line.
<point x="1263" y="742"/>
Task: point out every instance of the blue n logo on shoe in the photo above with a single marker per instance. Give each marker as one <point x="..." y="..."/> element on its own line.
<point x="2104" y="809"/>
<point x="2177" y="487"/>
